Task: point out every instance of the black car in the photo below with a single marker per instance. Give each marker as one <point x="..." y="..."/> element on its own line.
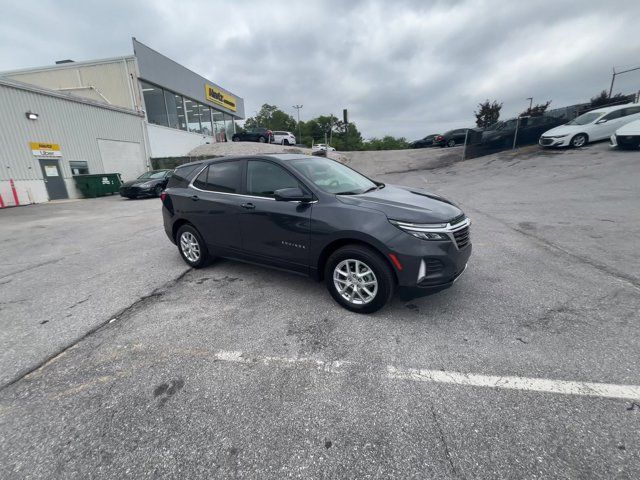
<point x="149" y="184"/>
<point x="262" y="135"/>
<point x="501" y="134"/>
<point x="318" y="217"/>
<point x="451" y="138"/>
<point x="427" y="141"/>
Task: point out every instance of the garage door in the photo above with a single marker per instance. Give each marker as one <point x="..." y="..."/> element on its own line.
<point x="125" y="158"/>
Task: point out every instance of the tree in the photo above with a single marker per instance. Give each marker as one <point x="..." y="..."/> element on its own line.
<point x="386" y="143"/>
<point x="537" y="110"/>
<point x="603" y="99"/>
<point x="488" y="113"/>
<point x="271" y="117"/>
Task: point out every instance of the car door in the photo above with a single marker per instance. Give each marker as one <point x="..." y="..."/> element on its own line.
<point x="606" y="126"/>
<point x="214" y="205"/>
<point x="273" y="231"/>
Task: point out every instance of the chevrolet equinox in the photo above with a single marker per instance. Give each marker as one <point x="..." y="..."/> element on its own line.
<point x="317" y="217"/>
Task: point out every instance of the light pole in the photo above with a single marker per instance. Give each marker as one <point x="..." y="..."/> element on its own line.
<point x="530" y="103"/>
<point x="298" y="107"/>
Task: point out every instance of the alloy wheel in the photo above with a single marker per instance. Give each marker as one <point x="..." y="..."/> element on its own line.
<point x="190" y="247"/>
<point x="578" y="141"/>
<point x="355" y="281"/>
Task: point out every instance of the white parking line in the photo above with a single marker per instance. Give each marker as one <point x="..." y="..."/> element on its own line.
<point x="564" y="387"/>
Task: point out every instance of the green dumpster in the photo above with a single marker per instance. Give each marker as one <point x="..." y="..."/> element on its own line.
<point x="98" y="185"/>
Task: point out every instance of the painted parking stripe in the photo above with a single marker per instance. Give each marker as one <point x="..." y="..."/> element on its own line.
<point x="564" y="387"/>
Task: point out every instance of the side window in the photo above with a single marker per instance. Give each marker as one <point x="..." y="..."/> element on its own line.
<point x="613" y="115"/>
<point x="180" y="177"/>
<point x="630" y="111"/>
<point x="221" y="177"/>
<point x="264" y="178"/>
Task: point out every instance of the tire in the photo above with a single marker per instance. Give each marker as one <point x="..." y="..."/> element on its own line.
<point x="262" y="139"/>
<point x="285" y="142"/>
<point x="451" y="143"/>
<point x="158" y="191"/>
<point x="352" y="257"/>
<point x="235" y="139"/>
<point x="579" y="140"/>
<point x="187" y="234"/>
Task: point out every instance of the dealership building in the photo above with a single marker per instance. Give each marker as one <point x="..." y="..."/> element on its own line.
<point x="103" y="116"/>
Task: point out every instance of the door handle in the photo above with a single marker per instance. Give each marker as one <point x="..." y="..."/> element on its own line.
<point x="194" y="197"/>
<point x="248" y="206"/>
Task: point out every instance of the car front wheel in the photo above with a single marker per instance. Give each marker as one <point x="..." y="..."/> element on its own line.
<point x="451" y="143"/>
<point x="235" y="139"/>
<point x="359" y="279"/>
<point x="262" y="140"/>
<point x="192" y="248"/>
<point x="579" y="140"/>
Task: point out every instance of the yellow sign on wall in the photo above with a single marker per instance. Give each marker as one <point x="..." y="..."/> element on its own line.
<point x="45" y="149"/>
<point x="217" y="96"/>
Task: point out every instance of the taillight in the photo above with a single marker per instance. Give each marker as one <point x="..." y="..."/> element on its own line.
<point x="163" y="195"/>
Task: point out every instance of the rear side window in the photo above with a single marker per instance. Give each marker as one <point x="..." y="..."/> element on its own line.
<point x="223" y="177"/>
<point x="630" y="111"/>
<point x="264" y="178"/>
<point x="180" y="177"/>
<point x="613" y="115"/>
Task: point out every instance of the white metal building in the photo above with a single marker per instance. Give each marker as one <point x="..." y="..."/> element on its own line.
<point x="47" y="136"/>
<point x="182" y="109"/>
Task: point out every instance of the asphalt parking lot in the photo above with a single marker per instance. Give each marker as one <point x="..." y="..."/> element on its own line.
<point x="118" y="361"/>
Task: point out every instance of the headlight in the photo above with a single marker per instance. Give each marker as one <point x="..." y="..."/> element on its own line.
<point x="558" y="136"/>
<point x="146" y="185"/>
<point x="423" y="231"/>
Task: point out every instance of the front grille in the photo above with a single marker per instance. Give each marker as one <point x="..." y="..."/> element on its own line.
<point x="546" y="141"/>
<point x="628" y="140"/>
<point x="462" y="237"/>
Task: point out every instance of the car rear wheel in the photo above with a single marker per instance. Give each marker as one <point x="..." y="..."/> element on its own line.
<point x="262" y="139"/>
<point x="579" y="140"/>
<point x="359" y="279"/>
<point x="451" y="143"/>
<point x="192" y="248"/>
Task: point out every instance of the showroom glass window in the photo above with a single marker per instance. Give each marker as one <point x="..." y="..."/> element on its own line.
<point x="205" y="120"/>
<point x="193" y="115"/>
<point x="154" y="104"/>
<point x="218" y="124"/>
<point x="175" y="110"/>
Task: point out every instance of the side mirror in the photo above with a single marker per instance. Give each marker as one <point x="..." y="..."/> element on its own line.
<point x="604" y="120"/>
<point x="292" y="195"/>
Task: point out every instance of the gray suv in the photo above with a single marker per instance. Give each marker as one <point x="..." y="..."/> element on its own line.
<point x="318" y="217"/>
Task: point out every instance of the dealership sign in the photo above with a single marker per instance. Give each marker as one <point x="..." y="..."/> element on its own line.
<point x="217" y="96"/>
<point x="45" y="149"/>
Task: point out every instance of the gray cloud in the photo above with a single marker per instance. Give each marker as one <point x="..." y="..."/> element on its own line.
<point x="405" y="68"/>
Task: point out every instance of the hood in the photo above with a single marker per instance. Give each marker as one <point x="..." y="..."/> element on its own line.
<point x="406" y="204"/>
<point x="140" y="181"/>
<point x="632" y="128"/>
<point x="564" y="130"/>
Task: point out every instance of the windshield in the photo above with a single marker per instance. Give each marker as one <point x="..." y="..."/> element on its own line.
<point x="156" y="174"/>
<point x="585" y="118"/>
<point x="333" y="177"/>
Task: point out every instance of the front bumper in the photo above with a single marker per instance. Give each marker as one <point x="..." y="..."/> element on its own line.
<point x="134" y="191"/>
<point x="626" y="142"/>
<point x="554" y="142"/>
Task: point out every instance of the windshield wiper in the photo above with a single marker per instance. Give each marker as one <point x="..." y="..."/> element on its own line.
<point x="348" y="192"/>
<point x="371" y="189"/>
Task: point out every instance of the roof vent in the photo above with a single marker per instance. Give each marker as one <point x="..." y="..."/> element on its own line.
<point x="60" y="62"/>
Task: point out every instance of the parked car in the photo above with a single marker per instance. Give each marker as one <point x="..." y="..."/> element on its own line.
<point x="149" y="184"/>
<point x="529" y="131"/>
<point x="284" y="138"/>
<point x="451" y="138"/>
<point x="321" y="147"/>
<point x="427" y="141"/>
<point x="318" y="217"/>
<point x="262" y="135"/>
<point x="591" y="126"/>
<point x="627" y="137"/>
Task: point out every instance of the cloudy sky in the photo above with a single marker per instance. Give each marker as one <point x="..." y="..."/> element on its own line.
<point x="405" y="68"/>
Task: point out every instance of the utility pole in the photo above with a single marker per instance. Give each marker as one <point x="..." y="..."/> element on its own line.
<point x="530" y="103"/>
<point x="613" y="77"/>
<point x="298" y="107"/>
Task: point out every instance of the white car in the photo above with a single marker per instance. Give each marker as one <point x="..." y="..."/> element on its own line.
<point x="627" y="137"/>
<point x="321" y="147"/>
<point x="284" y="138"/>
<point x="591" y="126"/>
